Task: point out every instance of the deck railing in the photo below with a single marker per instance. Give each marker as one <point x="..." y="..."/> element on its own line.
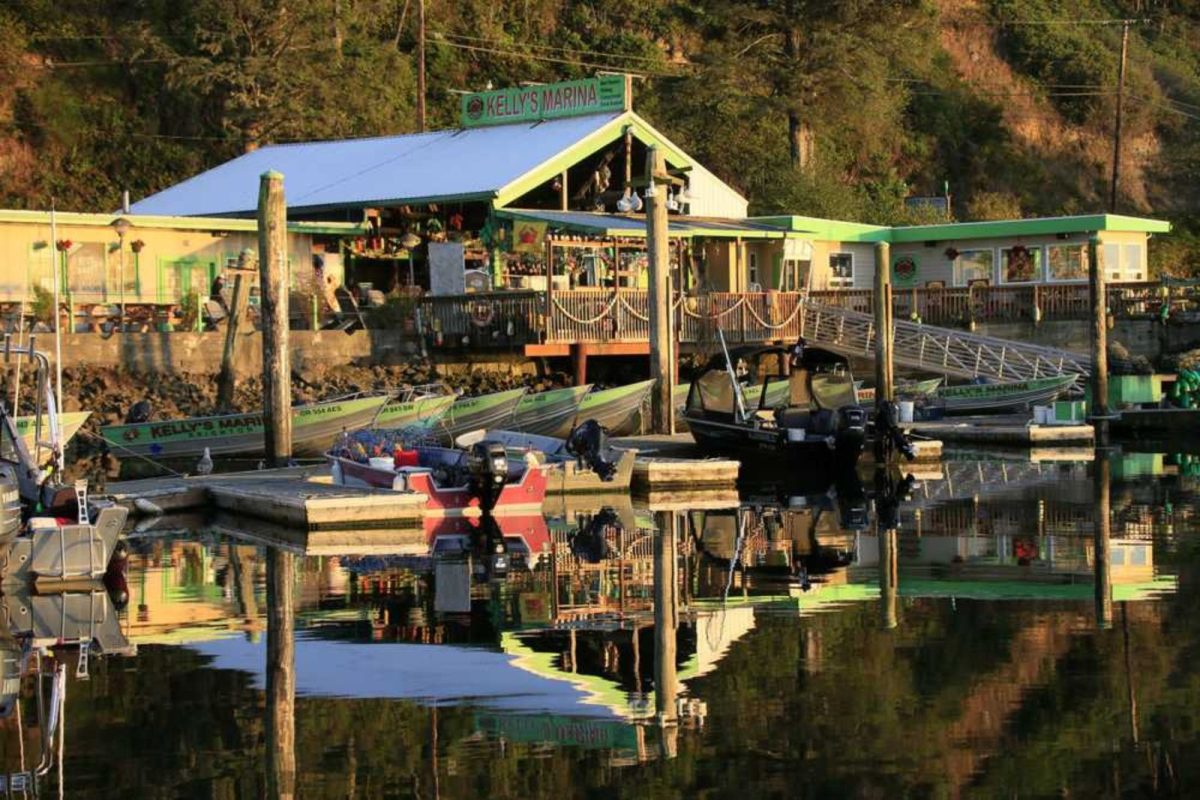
<point x="622" y="315"/>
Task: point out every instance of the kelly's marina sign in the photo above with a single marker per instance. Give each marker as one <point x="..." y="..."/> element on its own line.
<point x="604" y="94"/>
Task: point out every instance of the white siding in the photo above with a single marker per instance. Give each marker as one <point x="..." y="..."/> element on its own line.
<point x="712" y="197"/>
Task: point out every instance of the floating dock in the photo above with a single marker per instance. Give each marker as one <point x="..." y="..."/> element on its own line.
<point x="1004" y="430"/>
<point x="296" y="497"/>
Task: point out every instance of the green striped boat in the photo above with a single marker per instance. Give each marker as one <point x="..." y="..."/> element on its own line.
<point x="617" y="408"/>
<point x="424" y="409"/>
<point x="314" y="428"/>
<point x="550" y="413"/>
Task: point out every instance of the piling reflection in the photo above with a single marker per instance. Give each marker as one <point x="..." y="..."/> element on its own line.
<point x="1102" y="540"/>
<point x="281" y="675"/>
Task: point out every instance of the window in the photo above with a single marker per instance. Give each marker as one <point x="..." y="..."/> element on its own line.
<point x="1067" y="262"/>
<point x="1133" y="263"/>
<point x="973" y="265"/>
<point x="115" y="273"/>
<point x="752" y="260"/>
<point x="85" y="268"/>
<point x="1110" y="261"/>
<point x="1020" y="264"/>
<point x="795" y="275"/>
<point x="841" y="270"/>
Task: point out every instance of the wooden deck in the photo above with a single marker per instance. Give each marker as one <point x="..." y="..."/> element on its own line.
<point x="549" y="323"/>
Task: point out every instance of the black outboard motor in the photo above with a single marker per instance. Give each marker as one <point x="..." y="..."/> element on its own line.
<point x="850" y="433"/>
<point x="889" y="494"/>
<point x="489" y="551"/>
<point x="139" y="412"/>
<point x="889" y="436"/>
<point x="487" y="468"/>
<point x="589" y="444"/>
<point x="589" y="543"/>
<point x="853" y="511"/>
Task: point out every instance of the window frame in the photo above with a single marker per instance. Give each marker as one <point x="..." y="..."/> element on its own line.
<point x="1048" y="272"/>
<point x="835" y="282"/>
<point x="1039" y="269"/>
<point x="957" y="277"/>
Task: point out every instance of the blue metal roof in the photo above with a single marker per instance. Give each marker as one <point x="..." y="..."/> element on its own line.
<point x="424" y="167"/>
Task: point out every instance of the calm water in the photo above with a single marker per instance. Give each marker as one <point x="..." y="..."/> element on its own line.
<point x="998" y="645"/>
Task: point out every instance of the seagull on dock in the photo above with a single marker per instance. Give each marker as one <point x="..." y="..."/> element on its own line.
<point x="205" y="465"/>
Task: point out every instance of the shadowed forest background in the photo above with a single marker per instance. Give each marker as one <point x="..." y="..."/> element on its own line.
<point x="835" y="108"/>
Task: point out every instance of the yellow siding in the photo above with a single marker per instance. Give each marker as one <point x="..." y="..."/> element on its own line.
<point x="151" y="276"/>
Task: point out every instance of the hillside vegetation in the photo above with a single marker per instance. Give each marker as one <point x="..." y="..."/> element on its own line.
<point x="836" y="108"/>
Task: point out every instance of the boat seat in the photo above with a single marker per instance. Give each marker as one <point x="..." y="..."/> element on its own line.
<point x="793" y="417"/>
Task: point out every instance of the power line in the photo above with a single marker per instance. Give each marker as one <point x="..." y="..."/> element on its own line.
<point x="550" y="59"/>
<point x="579" y="51"/>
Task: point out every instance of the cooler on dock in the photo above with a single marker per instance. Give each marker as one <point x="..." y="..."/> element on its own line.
<point x="1068" y="412"/>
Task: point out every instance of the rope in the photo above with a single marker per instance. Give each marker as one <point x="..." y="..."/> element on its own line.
<point x="104" y="441"/>
<point x="785" y="323"/>
<point x="633" y="311"/>
<point x="578" y="321"/>
<point x="726" y="312"/>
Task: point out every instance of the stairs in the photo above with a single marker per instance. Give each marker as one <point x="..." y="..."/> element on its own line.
<point x="928" y="347"/>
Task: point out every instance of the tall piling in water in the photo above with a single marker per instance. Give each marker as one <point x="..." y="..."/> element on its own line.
<point x="1099" y="302"/>
<point x="659" y="249"/>
<point x="884" y="374"/>
<point x="273" y="273"/>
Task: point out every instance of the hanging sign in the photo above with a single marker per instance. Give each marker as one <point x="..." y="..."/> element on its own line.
<point x="548" y="101"/>
<point x="904" y="270"/>
<point x="528" y="237"/>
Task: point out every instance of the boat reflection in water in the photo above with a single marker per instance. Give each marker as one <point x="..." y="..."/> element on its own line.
<point x="600" y="634"/>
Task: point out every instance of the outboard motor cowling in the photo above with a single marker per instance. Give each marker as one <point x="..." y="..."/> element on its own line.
<point x="487" y="468"/>
<point x="589" y="444"/>
<point x="888" y="433"/>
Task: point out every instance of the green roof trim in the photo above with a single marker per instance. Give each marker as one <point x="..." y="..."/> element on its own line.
<point x="1040" y="226"/>
<point x="220" y="224"/>
<point x="827" y="229"/>
<point x="839" y="231"/>
<point x="1033" y="590"/>
<point x="583" y="148"/>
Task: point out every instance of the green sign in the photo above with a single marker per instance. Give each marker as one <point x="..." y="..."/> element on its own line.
<point x="547" y="101"/>
<point x="904" y="270"/>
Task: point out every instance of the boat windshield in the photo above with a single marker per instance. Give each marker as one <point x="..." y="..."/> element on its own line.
<point x="833" y="390"/>
<point x="8" y="445"/>
<point x="713" y="392"/>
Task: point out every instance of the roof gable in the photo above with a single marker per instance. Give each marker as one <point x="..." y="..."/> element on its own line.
<point x="429" y="167"/>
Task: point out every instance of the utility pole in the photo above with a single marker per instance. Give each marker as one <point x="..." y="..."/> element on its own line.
<point x="1116" y="161"/>
<point x="421" y="65"/>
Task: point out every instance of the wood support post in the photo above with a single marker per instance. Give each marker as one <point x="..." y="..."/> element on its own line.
<point x="281" y="676"/>
<point x="1102" y="545"/>
<point x="273" y="274"/>
<point x="564" y="201"/>
<point x="666" y="619"/>
<point x="579" y="359"/>
<point x="883" y="323"/>
<point x="229" y="376"/>
<point x="1099" y="302"/>
<point x="658" y="246"/>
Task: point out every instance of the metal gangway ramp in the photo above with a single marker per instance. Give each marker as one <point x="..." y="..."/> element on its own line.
<point x="945" y="350"/>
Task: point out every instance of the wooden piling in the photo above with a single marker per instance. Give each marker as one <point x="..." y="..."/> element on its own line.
<point x="889" y="578"/>
<point x="273" y="272"/>
<point x="666" y="619"/>
<point x="659" y="248"/>
<point x="883" y="323"/>
<point x="1102" y="544"/>
<point x="229" y="376"/>
<point x="1099" y="300"/>
<point x="281" y="675"/>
